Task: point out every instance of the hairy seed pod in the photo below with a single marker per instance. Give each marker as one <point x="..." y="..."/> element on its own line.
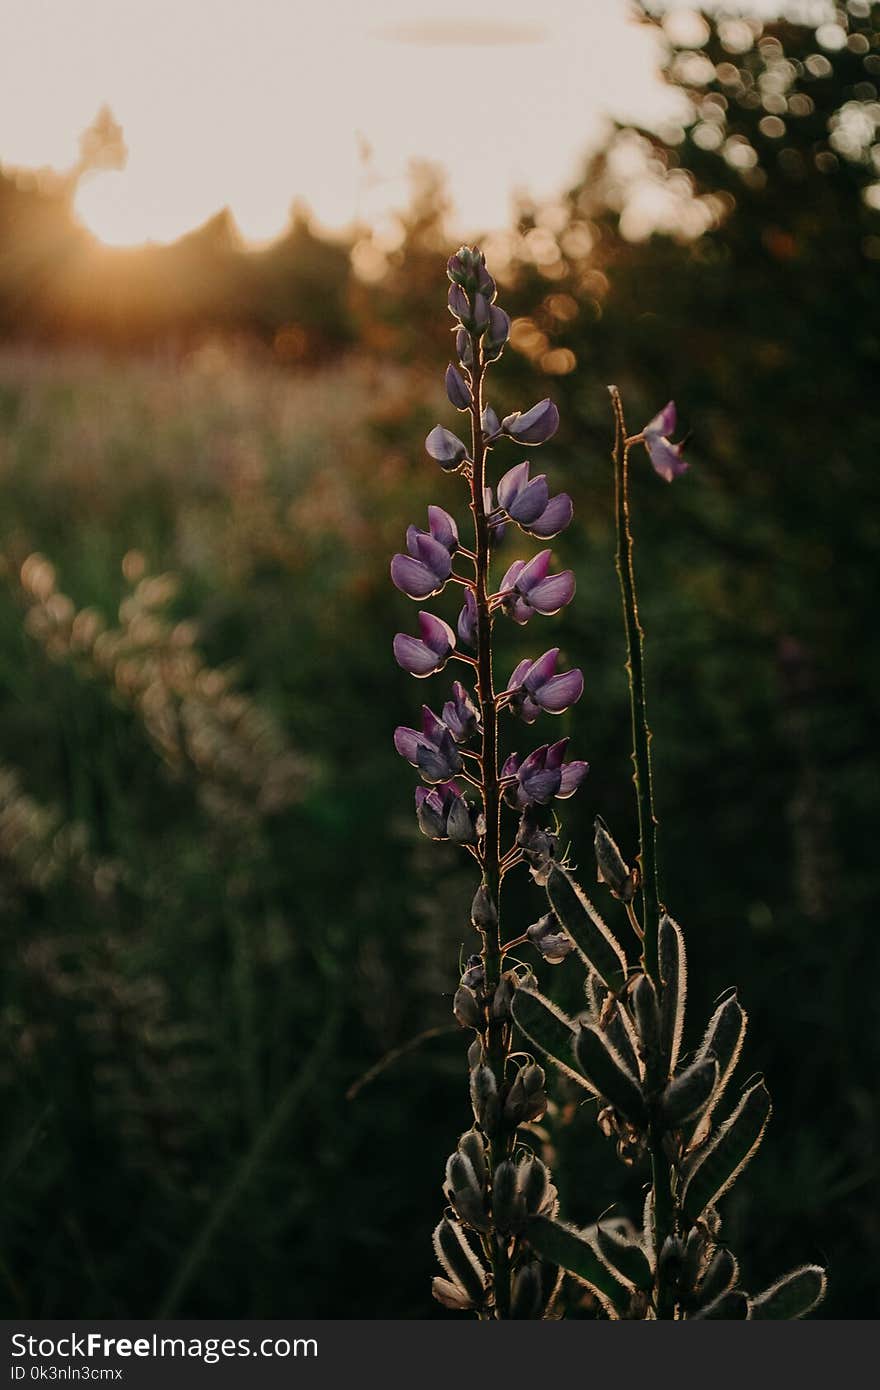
<point x="686" y="1095"/>
<point x="673" y="975"/>
<point x="527" y="1292"/>
<point x="647" y="1015"/>
<point x="547" y="1028"/>
<point x="671" y="1259"/>
<point x="465" y="1191"/>
<point x="792" y="1296"/>
<point x="612" y="868"/>
<point x="592" y="938"/>
<point x="607" y="1073"/>
<point x="723" y="1040"/>
<point x="454" y="1251"/>
<point x="484" y="1098"/>
<point x="721" y="1274"/>
<point x="538" y="1192"/>
<point x="475" y="1053"/>
<point x="696" y="1248"/>
<point x="720" y="1163"/>
<point x="508" y="1203"/>
<point x="526" y="1099"/>
<point x="625" y="1258"/>
<point x="619" y="1031"/>
<point x="730" y="1307"/>
<point x="472" y="1146"/>
<point x="466" y="1008"/>
<point x="503" y="995"/>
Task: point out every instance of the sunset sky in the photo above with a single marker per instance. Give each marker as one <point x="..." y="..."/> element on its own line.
<point x="253" y="104"/>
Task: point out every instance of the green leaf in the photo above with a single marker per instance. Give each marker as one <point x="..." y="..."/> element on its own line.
<point x="626" y="1258"/>
<point x="548" y="1029"/>
<point x="726" y="1153"/>
<point x="589" y="933"/>
<point x="606" y="1071"/>
<point x="573" y="1251"/>
<point x="733" y="1306"/>
<point x="792" y="1296"/>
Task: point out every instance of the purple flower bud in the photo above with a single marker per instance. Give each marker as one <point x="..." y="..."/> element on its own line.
<point x="484" y="281"/>
<point x="443" y="810"/>
<point x="523" y="500"/>
<point x="432" y="751"/>
<point x="497" y="333"/>
<point x="490" y="422"/>
<point x="554" y="518"/>
<point x="536" y="426"/>
<point x="457" y="303"/>
<point x="535" y="686"/>
<point x="460" y="714"/>
<point x="464" y="347"/>
<point x="665" y="456"/>
<point x="479" y="319"/>
<point x="542" y="775"/>
<point x="456" y="270"/>
<point x="428" y="654"/>
<point x="467" y="619"/>
<point x="425" y="570"/>
<point x="530" y="589"/>
<point x="446" y="448"/>
<point x="457" y="389"/>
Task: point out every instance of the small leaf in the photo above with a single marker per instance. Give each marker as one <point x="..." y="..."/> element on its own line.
<point x="626" y="1258"/>
<point x="792" y="1296"/>
<point x="593" y="940"/>
<point x="686" y="1095"/>
<point x="606" y="1071"/>
<point x="673" y="974"/>
<point x="547" y="1028"/>
<point x="727" y="1153"/>
<point x="573" y="1250"/>
<point x="733" y="1306"/>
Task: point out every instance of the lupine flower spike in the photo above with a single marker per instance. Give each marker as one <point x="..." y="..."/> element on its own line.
<point x="501" y="1247"/>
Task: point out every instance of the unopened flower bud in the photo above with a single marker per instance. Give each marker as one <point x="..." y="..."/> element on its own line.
<point x="458" y="303"/>
<point x="483" y="911"/>
<point x="466" y="1008"/>
<point x="611" y="866"/>
<point x="460" y="823"/>
<point x="508" y="1204"/>
<point x="464" y="347"/>
<point x="490" y="422"/>
<point x="503" y="995"/>
<point x="536" y="426"/>
<point x="474" y="975"/>
<point x="480" y="314"/>
<point x="446" y="447"/>
<point x="547" y="936"/>
<point x="496" y="334"/>
<point x="457" y="389"/>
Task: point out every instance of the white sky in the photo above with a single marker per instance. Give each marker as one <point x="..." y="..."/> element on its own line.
<point x="251" y="103"/>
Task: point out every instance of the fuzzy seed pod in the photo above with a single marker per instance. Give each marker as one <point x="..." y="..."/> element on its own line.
<point x="508" y="1203"/>
<point x="484" y="1098"/>
<point x="527" y="1292"/>
<point x="647" y="1014"/>
<point x="612" y="868"/>
<point x="686" y="1094"/>
<point x="607" y="1073"/>
<point x="459" y="1260"/>
<point x="483" y="911"/>
<point x="466" y="1008"/>
<point x="526" y="1099"/>
<point x="472" y="1146"/>
<point x="503" y="995"/>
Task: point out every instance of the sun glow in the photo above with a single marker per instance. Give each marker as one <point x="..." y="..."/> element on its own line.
<point x="250" y="107"/>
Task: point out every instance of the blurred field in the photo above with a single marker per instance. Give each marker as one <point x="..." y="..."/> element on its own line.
<point x="217" y="912"/>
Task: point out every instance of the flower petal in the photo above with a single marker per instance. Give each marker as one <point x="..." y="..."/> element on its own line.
<point x="532" y="573"/>
<point x="666" y="458"/>
<point x="560" y="693"/>
<point x="541" y="670"/>
<point x="413" y="578"/>
<point x="662" y="423"/>
<point x="552" y="593"/>
<point x="531" y="502"/>
<point x="443" y="528"/>
<point x="554" y="518"/>
<point x="414" y="656"/>
<point x="572" y="775"/>
<point x="437" y="634"/>
<point x="407" y="741"/>
<point x="512" y="484"/>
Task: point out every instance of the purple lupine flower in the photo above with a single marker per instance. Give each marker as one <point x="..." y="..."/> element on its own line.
<point x="464" y="347"/>
<point x="457" y="389"/>
<point x="460" y="714"/>
<point x="425" y="655"/>
<point x="536" y="426"/>
<point x="665" y="456"/>
<point x="446" y="448"/>
<point x="457" y="302"/>
<point x="527" y="502"/>
<point x="497" y="333"/>
<point x="490" y="422"/>
<point x="542" y="775"/>
<point x="444" y="814"/>
<point x="425" y="570"/>
<point x="528" y="588"/>
<point x="467" y="619"/>
<point x="535" y="686"/>
<point x="433" y="751"/>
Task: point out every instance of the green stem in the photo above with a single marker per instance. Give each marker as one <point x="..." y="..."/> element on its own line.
<point x="491" y="856"/>
<point x="664" y="1211"/>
